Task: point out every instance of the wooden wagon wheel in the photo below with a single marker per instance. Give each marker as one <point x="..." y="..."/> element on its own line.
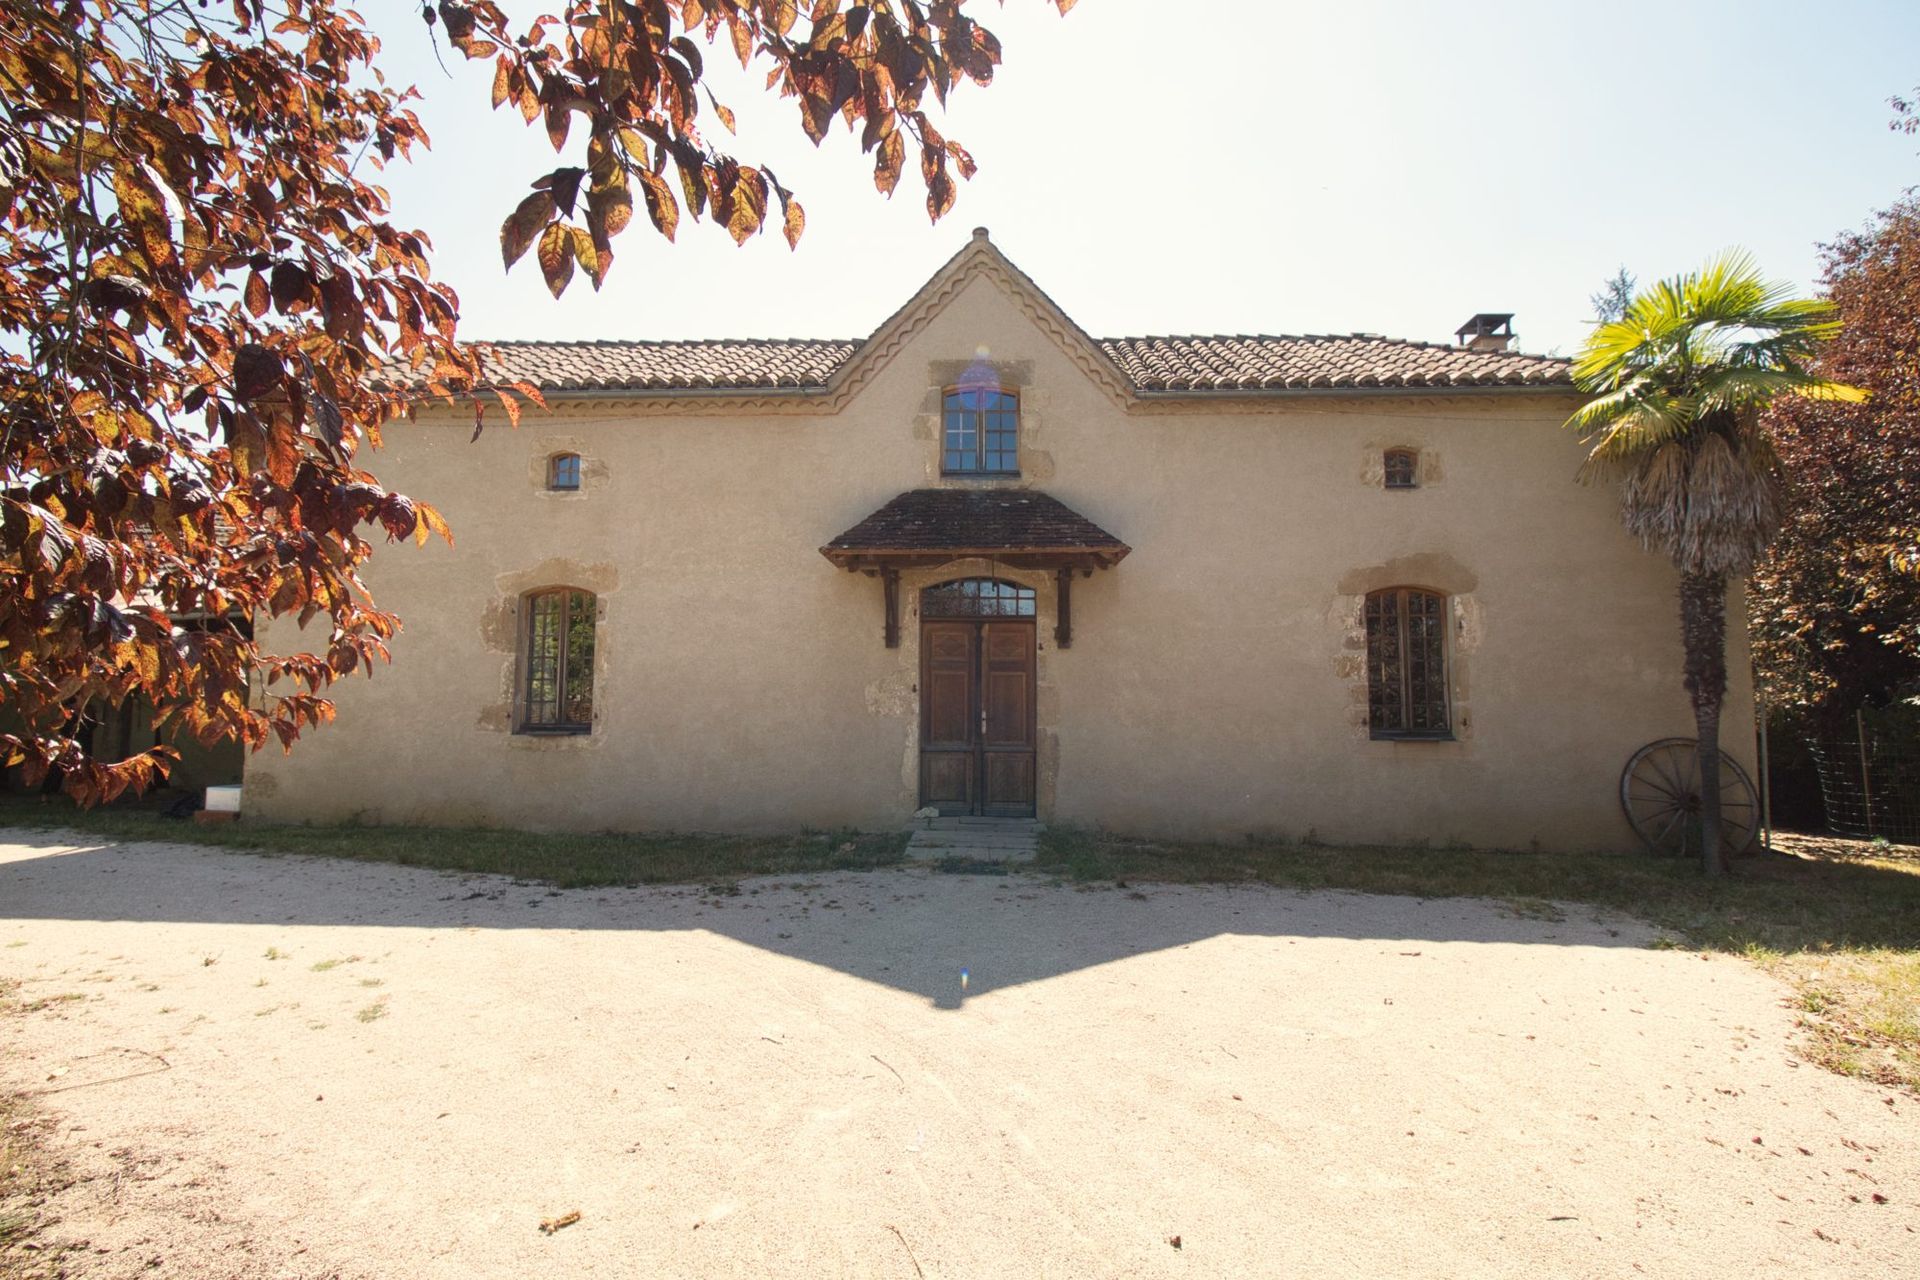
<point x="1660" y="794"/>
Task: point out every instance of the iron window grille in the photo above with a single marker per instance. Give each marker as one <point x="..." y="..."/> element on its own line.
<point x="563" y="471"/>
<point x="559" y="667"/>
<point x="1407" y="664"/>
<point x="980" y="432"/>
<point x="977" y="598"/>
<point x="1403" y="467"/>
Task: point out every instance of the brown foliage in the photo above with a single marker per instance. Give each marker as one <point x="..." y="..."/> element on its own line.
<point x="205" y="313"/>
<point x="1836" y="605"/>
<point x="630" y="75"/>
<point x="198" y="284"/>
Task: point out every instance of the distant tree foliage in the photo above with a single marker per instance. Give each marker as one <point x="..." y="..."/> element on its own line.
<point x="205" y="313"/>
<point x="1614" y="297"/>
<point x="1836" y="604"/>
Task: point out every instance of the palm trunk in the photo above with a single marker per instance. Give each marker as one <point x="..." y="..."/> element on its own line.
<point x="1703" y="632"/>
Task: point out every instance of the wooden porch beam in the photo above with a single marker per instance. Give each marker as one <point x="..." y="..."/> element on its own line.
<point x="890" y="589"/>
<point x="1063" y="605"/>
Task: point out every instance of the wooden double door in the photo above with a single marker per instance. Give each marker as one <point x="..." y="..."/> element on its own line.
<point x="977" y="716"/>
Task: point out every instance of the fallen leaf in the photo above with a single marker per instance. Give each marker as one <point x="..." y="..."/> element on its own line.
<point x="551" y="1225"/>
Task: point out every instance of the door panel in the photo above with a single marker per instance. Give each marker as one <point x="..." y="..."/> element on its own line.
<point x="1007" y="719"/>
<point x="949" y="663"/>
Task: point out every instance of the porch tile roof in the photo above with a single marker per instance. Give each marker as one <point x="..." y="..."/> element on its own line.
<point x="986" y="521"/>
<point x="1195" y="363"/>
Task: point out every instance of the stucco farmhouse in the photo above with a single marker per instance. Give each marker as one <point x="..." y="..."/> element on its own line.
<point x="1343" y="586"/>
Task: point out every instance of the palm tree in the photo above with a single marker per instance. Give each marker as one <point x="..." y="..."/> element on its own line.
<point x="1679" y="381"/>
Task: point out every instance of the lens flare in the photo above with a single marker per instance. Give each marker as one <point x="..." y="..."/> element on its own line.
<point x="980" y="381"/>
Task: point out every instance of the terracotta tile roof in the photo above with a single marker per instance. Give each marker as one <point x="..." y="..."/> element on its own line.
<point x="983" y="520"/>
<point x="730" y="363"/>
<point x="1195" y="364"/>
<point x="1315" y="361"/>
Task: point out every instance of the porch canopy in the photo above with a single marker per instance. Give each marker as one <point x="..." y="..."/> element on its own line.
<point x="1020" y="527"/>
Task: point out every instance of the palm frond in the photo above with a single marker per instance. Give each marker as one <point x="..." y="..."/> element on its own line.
<point x="1677" y="383"/>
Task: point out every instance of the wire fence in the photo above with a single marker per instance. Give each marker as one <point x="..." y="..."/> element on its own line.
<point x="1870" y="779"/>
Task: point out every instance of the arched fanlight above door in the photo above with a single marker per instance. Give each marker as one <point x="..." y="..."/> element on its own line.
<point x="977" y="598"/>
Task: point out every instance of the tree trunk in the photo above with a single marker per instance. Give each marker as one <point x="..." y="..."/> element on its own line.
<point x="1703" y="633"/>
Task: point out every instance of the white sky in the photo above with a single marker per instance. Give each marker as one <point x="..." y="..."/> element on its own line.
<point x="1251" y="166"/>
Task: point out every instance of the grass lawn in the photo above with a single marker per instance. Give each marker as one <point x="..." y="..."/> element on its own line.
<point x="1845" y="932"/>
<point x="566" y="861"/>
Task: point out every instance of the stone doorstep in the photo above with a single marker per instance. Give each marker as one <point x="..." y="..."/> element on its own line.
<point x="979" y="839"/>
<point x="976" y="824"/>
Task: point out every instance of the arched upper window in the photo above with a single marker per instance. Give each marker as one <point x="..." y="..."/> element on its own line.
<point x="563" y="471"/>
<point x="980" y="432"/>
<point x="1407" y="663"/>
<point x="559" y="662"/>
<point x="1403" y="469"/>
<point x="977" y="598"/>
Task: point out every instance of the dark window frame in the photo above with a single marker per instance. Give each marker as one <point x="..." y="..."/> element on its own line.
<point x="982" y="456"/>
<point x="563" y="473"/>
<point x="556" y="683"/>
<point x="1408" y="669"/>
<point x="1402" y="467"/>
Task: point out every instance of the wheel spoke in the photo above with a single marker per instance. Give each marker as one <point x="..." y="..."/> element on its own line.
<point x="1656" y="789"/>
<point x="1673" y="777"/>
<point x="1679" y="815"/>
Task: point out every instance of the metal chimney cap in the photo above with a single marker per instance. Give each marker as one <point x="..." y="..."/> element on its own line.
<point x="1487" y="324"/>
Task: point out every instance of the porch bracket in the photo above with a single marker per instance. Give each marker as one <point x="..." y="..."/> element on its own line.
<point x="1063" y="627"/>
<point x="890" y="589"/>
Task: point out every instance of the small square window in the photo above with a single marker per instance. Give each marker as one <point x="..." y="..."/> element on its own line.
<point x="563" y="471"/>
<point x="1403" y="466"/>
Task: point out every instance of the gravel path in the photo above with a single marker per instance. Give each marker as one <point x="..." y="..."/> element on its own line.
<point x="302" y="1068"/>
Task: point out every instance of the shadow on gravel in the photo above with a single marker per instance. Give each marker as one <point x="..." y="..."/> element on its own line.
<point x="1000" y="931"/>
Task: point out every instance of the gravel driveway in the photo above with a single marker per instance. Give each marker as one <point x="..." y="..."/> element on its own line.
<point x="286" y="1067"/>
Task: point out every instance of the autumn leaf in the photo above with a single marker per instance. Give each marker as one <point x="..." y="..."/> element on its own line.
<point x="556" y="257"/>
<point x="888" y="163"/>
<point x="144" y="211"/>
<point x="726" y="116"/>
<point x="290" y="283"/>
<point x="256" y="371"/>
<point x="518" y="232"/>
<point x="257" y="298"/>
<point x="662" y="208"/>
<point x="589" y="255"/>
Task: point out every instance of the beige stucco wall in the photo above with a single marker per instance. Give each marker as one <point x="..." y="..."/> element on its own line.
<point x="1215" y="682"/>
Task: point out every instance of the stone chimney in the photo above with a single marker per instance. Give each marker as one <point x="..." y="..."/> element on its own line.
<point x="1488" y="331"/>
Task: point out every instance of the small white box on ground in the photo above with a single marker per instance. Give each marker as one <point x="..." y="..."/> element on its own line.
<point x="224" y="799"/>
